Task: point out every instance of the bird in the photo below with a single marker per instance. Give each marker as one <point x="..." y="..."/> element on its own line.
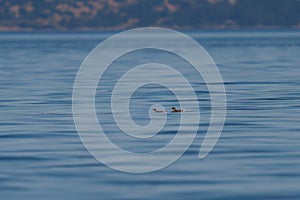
<point x="159" y="111"/>
<point x="175" y="110"/>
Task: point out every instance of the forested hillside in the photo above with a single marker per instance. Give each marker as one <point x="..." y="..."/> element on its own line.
<point x="18" y="15"/>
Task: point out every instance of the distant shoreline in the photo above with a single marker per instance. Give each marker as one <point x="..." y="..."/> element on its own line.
<point x="84" y="30"/>
<point x="112" y="15"/>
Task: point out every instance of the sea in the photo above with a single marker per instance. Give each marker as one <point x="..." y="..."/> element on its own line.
<point x="257" y="156"/>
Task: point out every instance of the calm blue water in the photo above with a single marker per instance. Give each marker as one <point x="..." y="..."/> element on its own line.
<point x="257" y="156"/>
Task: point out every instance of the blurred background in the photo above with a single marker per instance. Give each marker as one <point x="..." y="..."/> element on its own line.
<point x="79" y="15"/>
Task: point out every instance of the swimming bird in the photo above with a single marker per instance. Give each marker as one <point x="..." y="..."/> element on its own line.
<point x="175" y="110"/>
<point x="159" y="111"/>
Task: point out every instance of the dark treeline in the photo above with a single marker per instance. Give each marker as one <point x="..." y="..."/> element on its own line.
<point x="123" y="14"/>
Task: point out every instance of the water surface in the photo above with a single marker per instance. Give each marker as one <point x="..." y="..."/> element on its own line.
<point x="257" y="156"/>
